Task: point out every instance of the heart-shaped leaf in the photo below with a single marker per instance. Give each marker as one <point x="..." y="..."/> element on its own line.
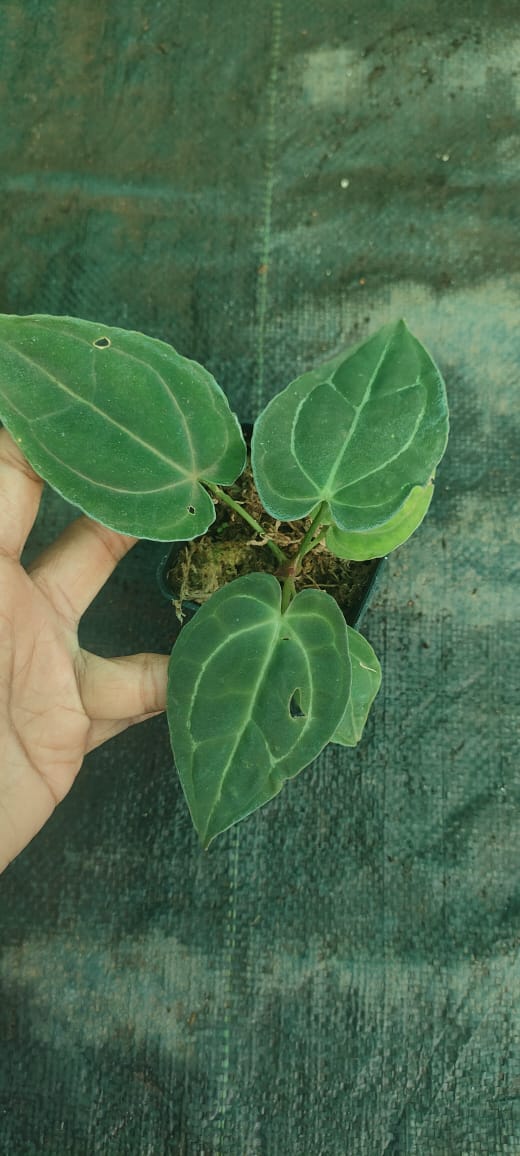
<point x="254" y="695"/>
<point x="366" y="680"/>
<point x="118" y="423"/>
<point x="359" y="545"/>
<point x="358" y="433"/>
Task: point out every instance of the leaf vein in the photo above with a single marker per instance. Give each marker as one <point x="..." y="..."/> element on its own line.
<point x="388" y="461"/>
<point x="247" y="719"/>
<point x="91" y="405"/>
<point x="359" y="410"/>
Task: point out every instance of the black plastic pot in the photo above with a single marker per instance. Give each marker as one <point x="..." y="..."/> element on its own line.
<point x="353" y="614"/>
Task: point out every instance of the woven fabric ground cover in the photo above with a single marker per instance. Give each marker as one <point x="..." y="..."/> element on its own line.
<point x="261" y="187"/>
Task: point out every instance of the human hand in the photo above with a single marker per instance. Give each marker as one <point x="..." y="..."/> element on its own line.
<point x="57" y="701"/>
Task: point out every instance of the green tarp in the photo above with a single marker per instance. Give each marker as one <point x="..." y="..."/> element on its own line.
<point x="339" y="975"/>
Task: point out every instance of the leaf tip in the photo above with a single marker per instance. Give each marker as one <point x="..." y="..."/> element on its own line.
<point x="205" y="838"/>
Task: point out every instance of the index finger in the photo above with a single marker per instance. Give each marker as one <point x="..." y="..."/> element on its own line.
<point x="73" y="569"/>
<point x="20" y="494"/>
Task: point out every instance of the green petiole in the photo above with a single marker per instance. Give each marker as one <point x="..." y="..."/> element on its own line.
<point x="229" y="501"/>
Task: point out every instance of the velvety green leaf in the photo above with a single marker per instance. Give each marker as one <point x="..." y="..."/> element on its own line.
<point x="366" y="680"/>
<point x="358" y="545"/>
<point x="359" y="433"/>
<point x="118" y="423"/>
<point x="234" y="673"/>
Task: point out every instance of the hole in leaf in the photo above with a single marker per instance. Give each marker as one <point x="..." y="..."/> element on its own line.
<point x="295" y="710"/>
<point x="191" y="509"/>
<point x="102" y="342"/>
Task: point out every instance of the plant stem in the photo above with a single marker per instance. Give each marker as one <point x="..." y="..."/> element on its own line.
<point x="309" y="541"/>
<point x="288" y="593"/>
<point x="229" y="501"/>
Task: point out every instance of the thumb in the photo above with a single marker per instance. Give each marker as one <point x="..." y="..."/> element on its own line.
<point x="122" y="688"/>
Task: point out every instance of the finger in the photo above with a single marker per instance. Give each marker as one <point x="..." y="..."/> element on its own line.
<point x="101" y="730"/>
<point x="121" y="688"/>
<point x="73" y="569"/>
<point x="20" y="494"/>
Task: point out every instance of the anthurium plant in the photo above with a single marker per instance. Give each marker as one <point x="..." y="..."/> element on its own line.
<point x="144" y="441"/>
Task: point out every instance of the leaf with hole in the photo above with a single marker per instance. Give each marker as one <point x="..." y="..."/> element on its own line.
<point x="254" y="695"/>
<point x="366" y="680"/>
<point x="118" y="423"/>
<point x="360" y="433"/>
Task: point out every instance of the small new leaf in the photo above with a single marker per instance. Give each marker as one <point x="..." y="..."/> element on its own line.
<point x="254" y="695"/>
<point x="359" y="545"/>
<point x="366" y="680"/>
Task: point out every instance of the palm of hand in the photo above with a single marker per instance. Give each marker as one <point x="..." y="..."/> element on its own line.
<point x="45" y="723"/>
<point x="57" y="700"/>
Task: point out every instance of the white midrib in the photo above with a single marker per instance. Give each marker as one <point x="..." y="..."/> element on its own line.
<point x="92" y="406"/>
<point x="247" y="719"/>
<point x="326" y="493"/>
<point x="359" y="410"/>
